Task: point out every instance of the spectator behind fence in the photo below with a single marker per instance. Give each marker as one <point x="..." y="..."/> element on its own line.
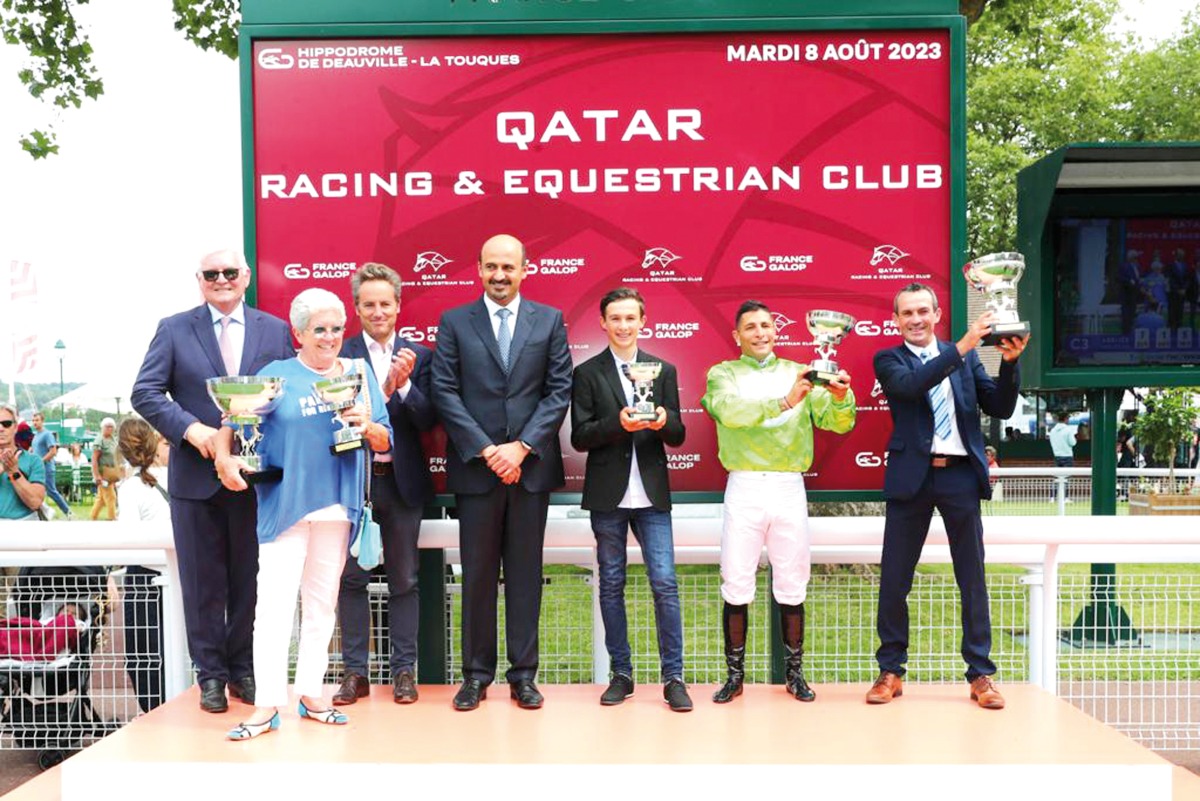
<point x="78" y="462"/>
<point x="23" y="490"/>
<point x="992" y="464"/>
<point x="45" y="447"/>
<point x="214" y="527"/>
<point x="105" y="471"/>
<point x="143" y="496"/>
<point x="305" y="519"/>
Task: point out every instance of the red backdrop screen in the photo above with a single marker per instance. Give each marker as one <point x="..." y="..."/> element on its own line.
<point x="808" y="170"/>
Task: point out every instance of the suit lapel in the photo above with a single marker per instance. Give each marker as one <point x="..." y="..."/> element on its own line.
<point x="483" y="328"/>
<point x="251" y="343"/>
<point x="525" y="323"/>
<point x="608" y="369"/>
<point x="202" y="325"/>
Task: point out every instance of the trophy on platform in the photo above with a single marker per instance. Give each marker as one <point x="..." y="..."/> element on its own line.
<point x="244" y="400"/>
<point x="341" y="393"/>
<point x="996" y="276"/>
<point x="642" y="375"/>
<point x="828" y="328"/>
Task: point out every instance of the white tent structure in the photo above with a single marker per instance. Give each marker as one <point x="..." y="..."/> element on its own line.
<point x="109" y="394"/>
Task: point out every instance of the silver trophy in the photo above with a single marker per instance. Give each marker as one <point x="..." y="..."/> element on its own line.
<point x="244" y="400"/>
<point x="996" y="276"/>
<point x="642" y="375"/>
<point x="341" y="393"/>
<point x="828" y="328"/>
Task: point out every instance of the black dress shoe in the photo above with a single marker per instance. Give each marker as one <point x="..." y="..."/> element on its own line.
<point x="242" y="689"/>
<point x="212" y="696"/>
<point x="404" y="688"/>
<point x="620" y="688"/>
<point x="676" y="695"/>
<point x="526" y="694"/>
<point x="354" y="686"/>
<point x="469" y="695"/>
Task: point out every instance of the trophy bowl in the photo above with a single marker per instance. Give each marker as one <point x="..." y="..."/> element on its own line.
<point x="642" y="375"/>
<point x="244" y="400"/>
<point x="341" y="392"/>
<point x="996" y="275"/>
<point x="828" y="328"/>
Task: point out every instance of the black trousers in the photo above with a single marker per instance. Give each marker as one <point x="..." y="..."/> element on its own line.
<point x="504" y="527"/>
<point x="142" y="601"/>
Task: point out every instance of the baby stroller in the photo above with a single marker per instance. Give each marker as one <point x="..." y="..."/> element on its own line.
<point x="46" y="661"/>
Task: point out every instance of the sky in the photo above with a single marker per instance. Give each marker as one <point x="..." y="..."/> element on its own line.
<point x="149" y="179"/>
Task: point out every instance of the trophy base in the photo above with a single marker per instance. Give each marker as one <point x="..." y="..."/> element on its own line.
<point x="647" y="415"/>
<point x="823" y="372"/>
<point x="345" y="447"/>
<point x="1001" y="331"/>
<point x="265" y="475"/>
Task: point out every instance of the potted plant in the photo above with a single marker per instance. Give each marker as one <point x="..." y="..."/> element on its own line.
<point x="1168" y="419"/>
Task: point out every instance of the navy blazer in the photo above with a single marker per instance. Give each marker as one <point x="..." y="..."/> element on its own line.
<point x="906" y="381"/>
<point x="170" y="389"/>
<point x="597" y="399"/>
<point x="479" y="405"/>
<point x="409" y="418"/>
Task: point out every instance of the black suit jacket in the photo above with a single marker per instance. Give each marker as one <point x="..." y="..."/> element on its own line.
<point x="170" y="390"/>
<point x="479" y="405"/>
<point x="597" y="399"/>
<point x="905" y="382"/>
<point x="409" y="418"/>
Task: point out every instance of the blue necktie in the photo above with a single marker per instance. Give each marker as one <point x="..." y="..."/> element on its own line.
<point x="504" y="337"/>
<point x="940" y="405"/>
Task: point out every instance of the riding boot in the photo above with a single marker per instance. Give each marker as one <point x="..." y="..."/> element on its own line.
<point x="792" y="620"/>
<point x="733" y="623"/>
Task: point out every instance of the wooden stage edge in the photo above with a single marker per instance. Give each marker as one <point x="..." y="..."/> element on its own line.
<point x="931" y="744"/>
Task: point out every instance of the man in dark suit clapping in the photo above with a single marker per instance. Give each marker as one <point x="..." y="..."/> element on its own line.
<point x="215" y="529"/>
<point x="935" y="391"/>
<point x="501" y="385"/>
<point x="625" y="487"/>
<point x="400" y="488"/>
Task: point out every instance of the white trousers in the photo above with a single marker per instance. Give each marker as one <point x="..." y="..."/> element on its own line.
<point x="308" y="557"/>
<point x="770" y="509"/>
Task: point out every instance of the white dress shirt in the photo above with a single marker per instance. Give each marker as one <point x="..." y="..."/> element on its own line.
<point x="953" y="444"/>
<point x="635" y="493"/>
<point x="237" y="328"/>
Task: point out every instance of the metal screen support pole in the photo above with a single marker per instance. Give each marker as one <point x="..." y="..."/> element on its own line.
<point x="432" y="658"/>
<point x="1049" y="593"/>
<point x="1033" y="579"/>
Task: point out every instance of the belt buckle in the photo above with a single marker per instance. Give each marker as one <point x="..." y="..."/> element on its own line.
<point x="379" y="468"/>
<point x="939" y="461"/>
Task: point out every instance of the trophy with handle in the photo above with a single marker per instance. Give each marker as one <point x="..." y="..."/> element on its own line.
<point x="642" y="375"/>
<point x="341" y="392"/>
<point x="828" y="328"/>
<point x="996" y="276"/>
<point x="244" y="400"/>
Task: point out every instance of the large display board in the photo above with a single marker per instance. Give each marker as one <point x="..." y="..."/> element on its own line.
<point x="807" y="169"/>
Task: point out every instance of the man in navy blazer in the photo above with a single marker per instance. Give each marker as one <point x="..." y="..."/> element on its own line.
<point x="501" y="386"/>
<point x="400" y="488"/>
<point x="935" y="391"/>
<point x="215" y="537"/>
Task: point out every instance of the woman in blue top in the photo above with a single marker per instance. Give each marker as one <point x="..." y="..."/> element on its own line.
<point x="304" y="520"/>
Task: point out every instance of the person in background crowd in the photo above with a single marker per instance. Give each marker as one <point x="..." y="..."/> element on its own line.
<point x="23" y="488"/>
<point x="935" y="391"/>
<point x="105" y="471"/>
<point x="45" y="447"/>
<point x="400" y="488"/>
<point x="501" y="386"/>
<point x="214" y="526"/>
<point x="305" y="519"/>
<point x="625" y="487"/>
<point x="766" y="409"/>
<point x="143" y="496"/>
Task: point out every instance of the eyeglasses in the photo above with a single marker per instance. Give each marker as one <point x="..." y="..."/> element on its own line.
<point x="230" y="273"/>
<point x="7" y="423"/>
<point x="334" y="330"/>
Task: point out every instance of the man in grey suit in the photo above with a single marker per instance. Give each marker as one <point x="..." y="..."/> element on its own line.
<point x="501" y="385"/>
<point x="215" y="536"/>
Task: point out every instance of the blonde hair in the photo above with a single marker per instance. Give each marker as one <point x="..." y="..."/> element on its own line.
<point x="138" y="443"/>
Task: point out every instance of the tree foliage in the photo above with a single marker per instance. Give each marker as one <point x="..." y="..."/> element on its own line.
<point x="1168" y="419"/>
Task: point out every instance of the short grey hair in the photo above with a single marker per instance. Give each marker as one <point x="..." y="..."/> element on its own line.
<point x="227" y="256"/>
<point x="314" y="300"/>
<point x="8" y="407"/>
<point x="374" y="271"/>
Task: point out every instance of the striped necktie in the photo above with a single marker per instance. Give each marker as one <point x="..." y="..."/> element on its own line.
<point x="940" y="406"/>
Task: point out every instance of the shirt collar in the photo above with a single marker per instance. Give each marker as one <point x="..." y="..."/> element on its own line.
<point x="371" y="342"/>
<point x="764" y="364"/>
<point x="238" y="315"/>
<point x="493" y="307"/>
<point x="621" y="361"/>
<point x="933" y="350"/>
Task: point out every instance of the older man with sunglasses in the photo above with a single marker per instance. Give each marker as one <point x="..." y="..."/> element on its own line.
<point x="215" y="528"/>
<point x="22" y="490"/>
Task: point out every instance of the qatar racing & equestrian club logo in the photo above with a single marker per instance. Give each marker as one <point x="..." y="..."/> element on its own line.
<point x="658" y="258"/>
<point x="430" y="260"/>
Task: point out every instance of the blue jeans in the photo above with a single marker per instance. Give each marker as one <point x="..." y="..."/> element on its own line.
<point x="52" y="491"/>
<point x="652" y="529"/>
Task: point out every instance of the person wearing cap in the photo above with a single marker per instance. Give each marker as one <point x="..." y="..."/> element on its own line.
<point x="105" y="472"/>
<point x="214" y="527"/>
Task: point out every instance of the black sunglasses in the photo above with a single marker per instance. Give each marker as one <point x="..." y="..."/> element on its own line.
<point x="7" y="423"/>
<point x="230" y="273"/>
<point x="321" y="330"/>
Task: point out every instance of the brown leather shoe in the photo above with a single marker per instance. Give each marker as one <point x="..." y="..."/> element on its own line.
<point x="354" y="686"/>
<point x="984" y="693"/>
<point x="404" y="688"/>
<point x="885" y="688"/>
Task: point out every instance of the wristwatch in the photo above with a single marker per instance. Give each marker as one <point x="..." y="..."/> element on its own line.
<point x="16" y="475"/>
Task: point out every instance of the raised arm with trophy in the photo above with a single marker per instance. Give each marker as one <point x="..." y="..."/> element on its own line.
<point x="996" y="275"/>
